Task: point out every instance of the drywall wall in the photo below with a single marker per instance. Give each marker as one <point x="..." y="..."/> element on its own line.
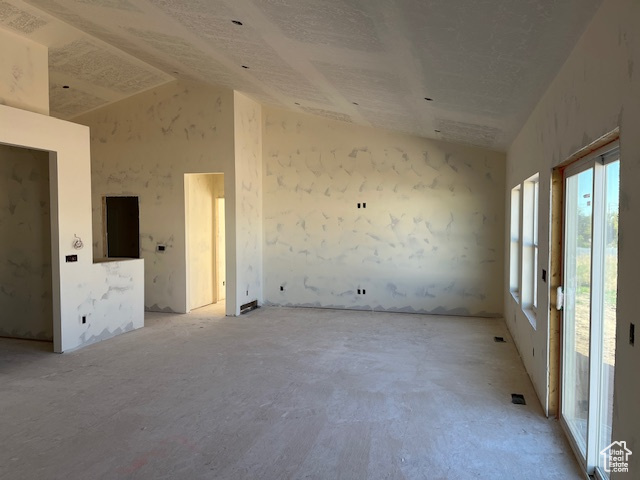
<point x="110" y="297"/>
<point x="596" y="91"/>
<point x="248" y="179"/>
<point x="24" y="73"/>
<point x="112" y="300"/>
<point x="143" y="146"/>
<point x="25" y="240"/>
<point x="428" y="241"/>
<point x="201" y="191"/>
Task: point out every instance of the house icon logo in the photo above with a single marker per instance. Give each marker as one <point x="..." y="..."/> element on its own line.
<point x="615" y="457"/>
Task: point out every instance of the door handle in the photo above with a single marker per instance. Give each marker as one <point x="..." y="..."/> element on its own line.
<point x="559" y="298"/>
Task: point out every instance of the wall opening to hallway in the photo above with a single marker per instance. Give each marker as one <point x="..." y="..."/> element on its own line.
<point x="26" y="298"/>
<point x="205" y="238"/>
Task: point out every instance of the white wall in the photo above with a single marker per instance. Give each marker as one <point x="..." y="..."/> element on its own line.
<point x="108" y="295"/>
<point x="202" y="190"/>
<point x="429" y="240"/>
<point x="24" y="73"/>
<point x="597" y="90"/>
<point x="249" y="197"/>
<point x="143" y="146"/>
<point x="25" y="245"/>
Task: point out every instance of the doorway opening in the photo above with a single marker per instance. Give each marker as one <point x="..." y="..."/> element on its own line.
<point x="588" y="265"/>
<point x="122" y="227"/>
<point x="205" y="239"/>
<point x="26" y="281"/>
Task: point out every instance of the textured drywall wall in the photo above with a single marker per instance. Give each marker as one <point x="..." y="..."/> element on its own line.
<point x="25" y="240"/>
<point x="596" y="91"/>
<point x="24" y="73"/>
<point x="429" y="239"/>
<point x="110" y="297"/>
<point x="202" y="191"/>
<point x="249" y="197"/>
<point x="143" y="146"/>
<point x="115" y="303"/>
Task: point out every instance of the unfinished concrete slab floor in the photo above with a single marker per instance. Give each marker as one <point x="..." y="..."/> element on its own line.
<point x="279" y="394"/>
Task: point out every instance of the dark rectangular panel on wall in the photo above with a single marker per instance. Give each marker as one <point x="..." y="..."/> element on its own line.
<point x="123" y="227"/>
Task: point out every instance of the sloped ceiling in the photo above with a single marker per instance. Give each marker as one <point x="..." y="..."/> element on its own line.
<point x="484" y="63"/>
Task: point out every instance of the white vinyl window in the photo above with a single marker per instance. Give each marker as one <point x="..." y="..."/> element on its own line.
<point x="514" y="253"/>
<point x="530" y="246"/>
<point x="523" y="255"/>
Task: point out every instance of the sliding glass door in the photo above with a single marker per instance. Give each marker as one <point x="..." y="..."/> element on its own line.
<point x="577" y="285"/>
<point x="590" y="265"/>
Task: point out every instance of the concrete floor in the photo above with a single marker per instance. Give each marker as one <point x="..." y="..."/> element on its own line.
<point x="278" y="394"/>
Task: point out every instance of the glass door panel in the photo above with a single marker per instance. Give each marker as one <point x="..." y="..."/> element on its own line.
<point x="610" y="285"/>
<point x="577" y="267"/>
<point x="590" y="266"/>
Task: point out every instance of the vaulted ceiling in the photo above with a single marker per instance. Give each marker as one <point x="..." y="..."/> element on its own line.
<point x="482" y="63"/>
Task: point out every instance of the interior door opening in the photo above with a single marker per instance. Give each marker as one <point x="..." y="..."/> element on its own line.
<point x="26" y="281"/>
<point x="122" y="227"/>
<point x="205" y="239"/>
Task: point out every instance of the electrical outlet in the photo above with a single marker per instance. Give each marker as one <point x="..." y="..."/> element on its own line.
<point x="247" y="293"/>
<point x="364" y="205"/>
<point x="83" y="319"/>
<point x="544" y="275"/>
<point x="632" y="333"/>
<point x="358" y="205"/>
<point x="161" y="248"/>
<point x="358" y="291"/>
<point x="282" y="288"/>
<point x="364" y="292"/>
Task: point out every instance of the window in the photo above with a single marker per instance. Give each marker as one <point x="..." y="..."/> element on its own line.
<point x="536" y="195"/>
<point x="523" y="266"/>
<point x="530" y="245"/>
<point x="514" y="262"/>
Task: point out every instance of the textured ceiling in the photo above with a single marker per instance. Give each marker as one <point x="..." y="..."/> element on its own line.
<point x="371" y="62"/>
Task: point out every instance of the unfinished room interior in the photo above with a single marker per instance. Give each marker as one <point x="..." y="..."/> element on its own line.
<point x="319" y="239"/>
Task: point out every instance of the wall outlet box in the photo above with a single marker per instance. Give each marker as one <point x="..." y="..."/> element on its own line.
<point x="161" y="248"/>
<point x="71" y="258"/>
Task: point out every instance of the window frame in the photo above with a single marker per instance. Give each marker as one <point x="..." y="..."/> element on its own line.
<point x="529" y="258"/>
<point x="524" y="246"/>
<point x="515" y="242"/>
